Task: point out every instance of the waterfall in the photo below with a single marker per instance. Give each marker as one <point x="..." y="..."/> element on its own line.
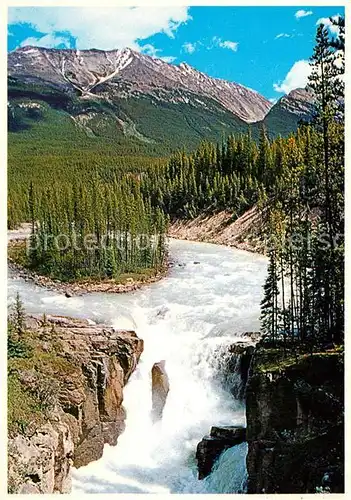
<point x="222" y="479"/>
<point x="190" y="319"/>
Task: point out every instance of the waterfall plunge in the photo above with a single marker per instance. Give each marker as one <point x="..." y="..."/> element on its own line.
<point x="187" y="319"/>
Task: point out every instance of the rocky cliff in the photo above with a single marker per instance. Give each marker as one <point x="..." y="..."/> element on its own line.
<point x="295" y="422"/>
<point x="232" y="373"/>
<point x="65" y="399"/>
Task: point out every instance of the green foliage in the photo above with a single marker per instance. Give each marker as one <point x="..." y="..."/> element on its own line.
<point x="17" y="316"/>
<point x="17" y="348"/>
<point x="269" y="304"/>
<point x="23" y="408"/>
<point x="279" y="121"/>
<point x="306" y="211"/>
<point x="214" y="177"/>
<point x="97" y="230"/>
<point x="33" y="378"/>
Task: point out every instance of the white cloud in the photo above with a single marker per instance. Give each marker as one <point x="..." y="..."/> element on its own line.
<point x="297" y="77"/>
<point x="103" y="28"/>
<point x="216" y="41"/>
<point x="225" y="44"/>
<point x="303" y="13"/>
<point x="47" y="41"/>
<point x="327" y="22"/>
<point x="283" y="35"/>
<point x="189" y="47"/>
<point x="168" y="59"/>
<point x="273" y="100"/>
<point x="150" y="50"/>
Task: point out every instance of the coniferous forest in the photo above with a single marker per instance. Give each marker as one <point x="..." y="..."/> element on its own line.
<point x="95" y="230"/>
<point x="298" y="181"/>
<point x="110" y="152"/>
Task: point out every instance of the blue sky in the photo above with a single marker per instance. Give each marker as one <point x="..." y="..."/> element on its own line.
<point x="264" y="48"/>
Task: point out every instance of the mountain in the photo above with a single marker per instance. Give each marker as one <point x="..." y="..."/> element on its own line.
<point x="123" y="102"/>
<point x="127" y="73"/>
<point x="284" y="117"/>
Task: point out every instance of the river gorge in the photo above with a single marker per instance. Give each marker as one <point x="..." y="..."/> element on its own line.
<point x="210" y="297"/>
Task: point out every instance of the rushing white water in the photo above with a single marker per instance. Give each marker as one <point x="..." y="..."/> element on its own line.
<point x="186" y="319"/>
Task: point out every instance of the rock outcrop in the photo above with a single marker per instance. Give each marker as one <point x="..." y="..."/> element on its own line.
<point x="160" y="389"/>
<point x="238" y="362"/>
<point x="287" y="113"/>
<point x="219" y="440"/>
<point x="41" y="463"/>
<point x="85" y="367"/>
<point x="295" y="419"/>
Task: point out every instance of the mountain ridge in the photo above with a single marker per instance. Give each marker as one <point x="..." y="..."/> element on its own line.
<point x="126" y="72"/>
<point x="286" y="114"/>
<point x="128" y="102"/>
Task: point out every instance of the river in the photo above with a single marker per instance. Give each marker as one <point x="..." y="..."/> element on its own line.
<point x="209" y="299"/>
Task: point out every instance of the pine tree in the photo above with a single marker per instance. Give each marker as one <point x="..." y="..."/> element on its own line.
<point x="269" y="304"/>
<point x="328" y="88"/>
<point x="17" y="316"/>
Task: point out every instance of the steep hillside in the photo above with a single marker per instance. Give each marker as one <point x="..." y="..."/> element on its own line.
<point x="284" y="117"/>
<point x="245" y="233"/>
<point x="142" y="125"/>
<point x="120" y="102"/>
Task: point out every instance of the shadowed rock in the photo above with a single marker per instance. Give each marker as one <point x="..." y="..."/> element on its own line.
<point x="295" y="422"/>
<point x="219" y="440"/>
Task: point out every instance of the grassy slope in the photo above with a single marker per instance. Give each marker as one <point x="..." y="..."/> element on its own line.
<point x="32" y="383"/>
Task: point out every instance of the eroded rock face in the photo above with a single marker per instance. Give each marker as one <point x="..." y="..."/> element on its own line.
<point x="233" y="373"/>
<point x="295" y="424"/>
<point x="96" y="362"/>
<point x="160" y="389"/>
<point x="41" y="463"/>
<point x="219" y="440"/>
<point x="231" y="364"/>
<point x="239" y="363"/>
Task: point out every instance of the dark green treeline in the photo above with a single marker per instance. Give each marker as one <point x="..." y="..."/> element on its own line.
<point x="303" y="302"/>
<point x="95" y="229"/>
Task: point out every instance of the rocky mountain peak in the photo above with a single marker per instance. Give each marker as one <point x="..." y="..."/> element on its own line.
<point x="302" y="94"/>
<point x="298" y="101"/>
<point x="121" y="69"/>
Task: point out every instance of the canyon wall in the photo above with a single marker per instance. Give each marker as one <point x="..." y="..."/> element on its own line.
<point x="295" y="422"/>
<point x="77" y="372"/>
